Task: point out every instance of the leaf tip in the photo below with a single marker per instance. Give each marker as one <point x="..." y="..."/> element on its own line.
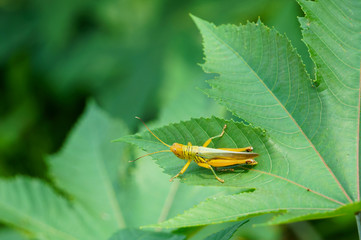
<point x="200" y="23"/>
<point x="194" y="18"/>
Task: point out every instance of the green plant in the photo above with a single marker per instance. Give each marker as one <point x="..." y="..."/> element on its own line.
<point x="306" y="131"/>
<point x="100" y="192"/>
<point x="309" y="163"/>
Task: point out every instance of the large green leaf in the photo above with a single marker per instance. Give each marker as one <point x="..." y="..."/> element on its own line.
<point x="309" y="162"/>
<point x="265" y="83"/>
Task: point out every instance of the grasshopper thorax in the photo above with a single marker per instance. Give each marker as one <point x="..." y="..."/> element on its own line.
<point x="177" y="149"/>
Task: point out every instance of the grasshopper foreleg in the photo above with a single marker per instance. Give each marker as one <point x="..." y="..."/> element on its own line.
<point x="181" y="171"/>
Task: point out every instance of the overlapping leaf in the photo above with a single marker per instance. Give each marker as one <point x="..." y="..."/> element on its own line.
<point x="331" y="30"/>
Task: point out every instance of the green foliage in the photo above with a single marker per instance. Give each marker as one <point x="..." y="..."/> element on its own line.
<point x="303" y="172"/>
<point x="93" y="210"/>
<point x="101" y="192"/>
<point x="53" y="56"/>
<point x="139" y="58"/>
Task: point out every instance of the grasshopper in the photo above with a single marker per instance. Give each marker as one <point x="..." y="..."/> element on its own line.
<point x="207" y="157"/>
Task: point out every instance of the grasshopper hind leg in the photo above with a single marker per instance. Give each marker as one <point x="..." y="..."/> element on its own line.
<point x="251" y="162"/>
<point x="205" y="165"/>
<point x="214" y="173"/>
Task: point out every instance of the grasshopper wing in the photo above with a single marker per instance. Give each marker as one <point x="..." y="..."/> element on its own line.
<point x="210" y="153"/>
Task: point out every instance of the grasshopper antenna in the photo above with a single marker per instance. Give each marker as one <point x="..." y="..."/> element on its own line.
<point x="156" y="138"/>
<point x="150" y="154"/>
<point x="152" y="132"/>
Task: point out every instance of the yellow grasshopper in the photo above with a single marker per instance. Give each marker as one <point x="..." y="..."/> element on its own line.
<point x="207" y="157"/>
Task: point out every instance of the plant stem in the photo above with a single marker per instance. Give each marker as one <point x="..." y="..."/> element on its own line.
<point x="169" y="201"/>
<point x="358" y="220"/>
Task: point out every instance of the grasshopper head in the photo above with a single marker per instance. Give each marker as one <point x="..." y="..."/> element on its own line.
<point x="177" y="149"/>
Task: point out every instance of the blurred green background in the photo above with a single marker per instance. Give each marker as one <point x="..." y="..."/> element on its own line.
<point x="134" y="57"/>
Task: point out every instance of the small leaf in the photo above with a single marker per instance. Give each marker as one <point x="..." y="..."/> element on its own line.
<point x="197" y="131"/>
<point x="126" y="234"/>
<point x="226" y="233"/>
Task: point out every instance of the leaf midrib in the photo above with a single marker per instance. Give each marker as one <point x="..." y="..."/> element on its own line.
<point x="358" y="140"/>
<point x="109" y="188"/>
<point x="169" y="201"/>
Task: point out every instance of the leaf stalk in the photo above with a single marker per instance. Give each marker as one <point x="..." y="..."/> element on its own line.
<point x="358" y="220"/>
